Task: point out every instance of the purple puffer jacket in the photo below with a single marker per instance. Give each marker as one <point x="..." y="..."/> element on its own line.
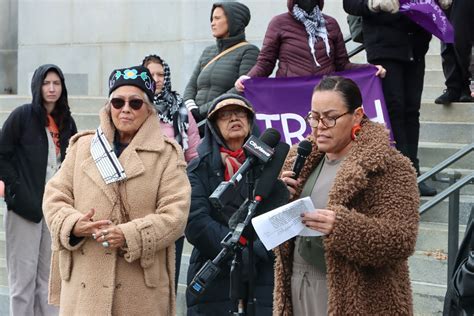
<point x="286" y="40"/>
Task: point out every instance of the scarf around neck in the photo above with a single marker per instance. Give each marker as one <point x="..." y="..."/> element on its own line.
<point x="105" y="158"/>
<point x="171" y="109"/>
<point x="232" y="161"/>
<point x="315" y="26"/>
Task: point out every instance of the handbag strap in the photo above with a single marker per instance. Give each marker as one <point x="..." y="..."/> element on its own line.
<point x="228" y="50"/>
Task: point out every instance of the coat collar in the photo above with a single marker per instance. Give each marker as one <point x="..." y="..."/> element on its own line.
<point x="368" y="154"/>
<point x="147" y="139"/>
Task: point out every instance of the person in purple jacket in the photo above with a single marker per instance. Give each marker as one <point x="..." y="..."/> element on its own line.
<point x="305" y="42"/>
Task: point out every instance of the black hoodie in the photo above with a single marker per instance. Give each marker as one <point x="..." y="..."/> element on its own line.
<point x="24" y="148"/>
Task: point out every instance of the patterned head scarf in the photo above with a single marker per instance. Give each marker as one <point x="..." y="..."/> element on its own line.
<point x="169" y="104"/>
<point x="315" y="26"/>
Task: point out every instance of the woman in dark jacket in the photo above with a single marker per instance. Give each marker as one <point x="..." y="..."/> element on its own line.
<point x="305" y="42"/>
<point x="228" y="125"/>
<point x="33" y="144"/>
<point x="221" y="64"/>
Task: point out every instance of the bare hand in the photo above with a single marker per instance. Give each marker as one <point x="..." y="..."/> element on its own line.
<point x="320" y="220"/>
<point x="239" y="86"/>
<point x="381" y="72"/>
<point x="85" y="226"/>
<point x="291" y="184"/>
<point x="110" y="236"/>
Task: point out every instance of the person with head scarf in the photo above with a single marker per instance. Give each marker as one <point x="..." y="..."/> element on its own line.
<point x="221" y="64"/>
<point x="175" y="120"/>
<point x="33" y="145"/>
<point x="229" y="124"/>
<point x="305" y="42"/>
<point x="116" y="208"/>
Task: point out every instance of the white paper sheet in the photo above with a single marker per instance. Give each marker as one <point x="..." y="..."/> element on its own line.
<point x="277" y="226"/>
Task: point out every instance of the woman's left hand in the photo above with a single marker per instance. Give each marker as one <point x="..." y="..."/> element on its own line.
<point x="381" y="72"/>
<point x="320" y="220"/>
<point x="110" y="236"/>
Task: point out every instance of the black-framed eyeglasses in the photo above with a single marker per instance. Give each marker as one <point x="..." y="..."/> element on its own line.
<point x="327" y="121"/>
<point x="119" y="103"/>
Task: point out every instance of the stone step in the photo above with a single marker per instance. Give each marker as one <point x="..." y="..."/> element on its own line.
<point x="455" y="112"/>
<point x="447" y="132"/>
<point x="432" y="91"/>
<point x="4" y="300"/>
<point x="428" y="298"/>
<point x="78" y="104"/>
<point x="434" y="236"/>
<point x="424" y="267"/>
<point x="432" y="153"/>
<point x="434" y="77"/>
<point x="438" y="214"/>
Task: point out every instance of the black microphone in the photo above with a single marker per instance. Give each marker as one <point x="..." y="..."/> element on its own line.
<point x="270" y="192"/>
<point x="304" y="149"/>
<point x="256" y="150"/>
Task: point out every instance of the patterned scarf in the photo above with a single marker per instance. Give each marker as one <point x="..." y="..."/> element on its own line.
<point x="315" y="26"/>
<point x="171" y="109"/>
<point x="105" y="158"/>
<point x="232" y="161"/>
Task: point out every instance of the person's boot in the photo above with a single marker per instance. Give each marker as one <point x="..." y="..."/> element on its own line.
<point x="466" y="97"/>
<point x="447" y="97"/>
<point x="426" y="190"/>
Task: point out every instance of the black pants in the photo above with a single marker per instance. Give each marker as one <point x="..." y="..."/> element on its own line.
<point x="402" y="88"/>
<point x="457" y="57"/>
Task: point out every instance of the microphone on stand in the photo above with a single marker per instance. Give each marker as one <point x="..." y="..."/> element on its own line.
<point x="304" y="149"/>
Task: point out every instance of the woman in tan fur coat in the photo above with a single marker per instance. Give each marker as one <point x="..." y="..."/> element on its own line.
<point x="115" y="209"/>
<point x="366" y="201"/>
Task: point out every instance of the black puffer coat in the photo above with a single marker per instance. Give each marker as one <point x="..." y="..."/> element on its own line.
<point x="206" y="228"/>
<point x="24" y="149"/>
<point x="220" y="76"/>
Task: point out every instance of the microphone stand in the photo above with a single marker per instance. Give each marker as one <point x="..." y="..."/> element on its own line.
<point x="236" y="289"/>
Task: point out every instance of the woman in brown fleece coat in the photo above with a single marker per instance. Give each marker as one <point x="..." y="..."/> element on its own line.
<point x="115" y="209"/>
<point x="370" y="216"/>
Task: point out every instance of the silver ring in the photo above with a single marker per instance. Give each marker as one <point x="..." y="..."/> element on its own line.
<point x="94" y="236"/>
<point x="105" y="244"/>
<point x="105" y="232"/>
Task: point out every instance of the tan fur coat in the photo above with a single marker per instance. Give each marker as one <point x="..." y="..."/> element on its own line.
<point x="88" y="279"/>
<point x="375" y="196"/>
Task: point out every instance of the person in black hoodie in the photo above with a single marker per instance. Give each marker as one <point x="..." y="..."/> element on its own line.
<point x="33" y="144"/>
<point x="229" y="124"/>
<point x="392" y="40"/>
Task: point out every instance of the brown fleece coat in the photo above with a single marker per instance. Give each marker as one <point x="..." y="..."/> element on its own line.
<point x="376" y="201"/>
<point x="88" y="279"/>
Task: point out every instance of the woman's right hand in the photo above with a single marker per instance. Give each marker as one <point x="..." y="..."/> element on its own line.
<point x="239" y="86"/>
<point x="291" y="184"/>
<point x="86" y="227"/>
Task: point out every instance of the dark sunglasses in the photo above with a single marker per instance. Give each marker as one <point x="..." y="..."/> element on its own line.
<point x="118" y="103"/>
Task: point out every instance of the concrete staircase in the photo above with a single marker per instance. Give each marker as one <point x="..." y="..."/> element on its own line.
<point x="444" y="130"/>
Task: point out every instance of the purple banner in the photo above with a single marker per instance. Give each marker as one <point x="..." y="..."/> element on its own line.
<point x="282" y="103"/>
<point x="429" y="16"/>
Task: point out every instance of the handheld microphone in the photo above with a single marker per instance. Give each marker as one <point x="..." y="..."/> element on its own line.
<point x="257" y="150"/>
<point x="304" y="149"/>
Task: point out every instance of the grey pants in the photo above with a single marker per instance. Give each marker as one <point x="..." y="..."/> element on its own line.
<point x="28" y="250"/>
<point x="309" y="294"/>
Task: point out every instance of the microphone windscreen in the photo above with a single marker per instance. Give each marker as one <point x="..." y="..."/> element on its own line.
<point x="271" y="137"/>
<point x="271" y="170"/>
<point x="304" y="148"/>
<point x="278" y="196"/>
